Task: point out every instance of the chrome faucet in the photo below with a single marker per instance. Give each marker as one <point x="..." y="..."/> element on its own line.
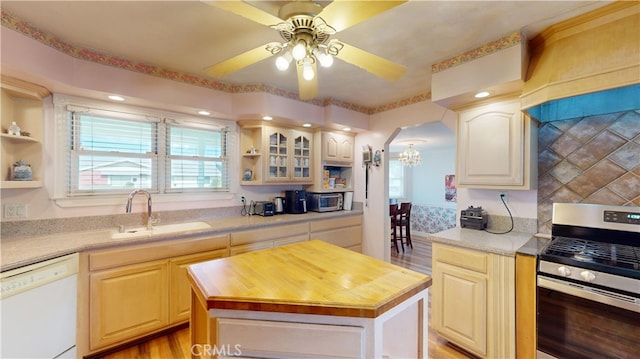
<point x="148" y="195"/>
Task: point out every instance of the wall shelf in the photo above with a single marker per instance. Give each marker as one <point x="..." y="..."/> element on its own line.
<point x="20" y="184"/>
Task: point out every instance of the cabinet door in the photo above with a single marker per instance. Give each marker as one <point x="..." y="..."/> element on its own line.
<point x="459" y="304"/>
<point x="127" y="302"/>
<point x="345" y="149"/>
<point x="491" y="145"/>
<point x="277" y="155"/>
<point x="179" y="287"/>
<point x="302" y="145"/>
<point x="337" y="148"/>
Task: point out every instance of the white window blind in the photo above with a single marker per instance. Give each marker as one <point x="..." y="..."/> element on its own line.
<point x="196" y="157"/>
<point x="112" y="152"/>
<point x="396" y="179"/>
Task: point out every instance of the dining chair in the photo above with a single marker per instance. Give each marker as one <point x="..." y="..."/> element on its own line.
<point x="404" y="223"/>
<point x="394" y="215"/>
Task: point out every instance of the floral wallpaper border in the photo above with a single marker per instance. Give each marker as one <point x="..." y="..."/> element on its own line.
<point x="12" y="22"/>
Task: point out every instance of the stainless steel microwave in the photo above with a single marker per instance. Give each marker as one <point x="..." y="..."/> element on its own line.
<point x="324" y="202"/>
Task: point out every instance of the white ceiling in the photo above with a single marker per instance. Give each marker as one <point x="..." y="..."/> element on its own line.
<point x="190" y="35"/>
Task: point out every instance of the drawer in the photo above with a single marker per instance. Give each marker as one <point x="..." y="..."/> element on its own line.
<point x="460" y="257"/>
<point x="268" y="339"/>
<point x="343" y="237"/>
<point x="264" y="234"/>
<point x="115" y="257"/>
<point x="334" y="223"/>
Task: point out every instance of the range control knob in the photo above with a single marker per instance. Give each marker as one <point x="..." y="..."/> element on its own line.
<point x="564" y="271"/>
<point x="587" y="276"/>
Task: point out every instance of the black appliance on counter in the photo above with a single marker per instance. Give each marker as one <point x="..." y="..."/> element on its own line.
<point x="474" y="218"/>
<point x="264" y="208"/>
<point x="295" y="201"/>
<point x="588" y="295"/>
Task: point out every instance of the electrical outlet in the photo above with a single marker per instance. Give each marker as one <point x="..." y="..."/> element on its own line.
<point x="504" y="197"/>
<point x="15" y="211"/>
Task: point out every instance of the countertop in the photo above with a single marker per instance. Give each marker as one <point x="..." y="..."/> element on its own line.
<point x="504" y="244"/>
<point x="20" y="251"/>
<point x="312" y="277"/>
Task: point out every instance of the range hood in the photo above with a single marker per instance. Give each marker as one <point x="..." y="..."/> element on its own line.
<point x="585" y="66"/>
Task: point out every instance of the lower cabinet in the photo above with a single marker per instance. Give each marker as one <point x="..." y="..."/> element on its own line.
<point x="137" y="290"/>
<point x="345" y="232"/>
<point x="127" y="302"/>
<point x="179" y="287"/>
<point x="473" y="300"/>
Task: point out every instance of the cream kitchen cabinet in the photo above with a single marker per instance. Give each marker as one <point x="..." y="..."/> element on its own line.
<point x="137" y="290"/>
<point x="496" y="147"/>
<point x="127" y="302"/>
<point x="273" y="154"/>
<point x="179" y="289"/>
<point x="334" y="161"/>
<point x="473" y="300"/>
<point x="337" y="147"/>
<point x="22" y="102"/>
<point x="345" y="232"/>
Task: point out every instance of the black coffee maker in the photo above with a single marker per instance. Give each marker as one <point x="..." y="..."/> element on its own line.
<point x="295" y="202"/>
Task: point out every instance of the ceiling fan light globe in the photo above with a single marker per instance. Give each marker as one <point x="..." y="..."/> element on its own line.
<point x="282" y="63"/>
<point x="307" y="73"/>
<point x="325" y="60"/>
<point x="299" y="51"/>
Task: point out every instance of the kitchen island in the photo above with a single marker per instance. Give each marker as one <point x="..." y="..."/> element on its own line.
<point x="309" y="299"/>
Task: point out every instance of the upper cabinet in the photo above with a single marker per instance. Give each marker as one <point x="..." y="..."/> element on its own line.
<point x="497" y="147"/>
<point x="337" y="147"/>
<point x="272" y="154"/>
<point x="334" y="161"/>
<point x="22" y="103"/>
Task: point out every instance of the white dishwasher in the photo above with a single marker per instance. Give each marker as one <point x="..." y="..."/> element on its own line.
<point x="38" y="309"/>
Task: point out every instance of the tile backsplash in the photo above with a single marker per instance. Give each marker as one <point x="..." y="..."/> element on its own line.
<point x="593" y="159"/>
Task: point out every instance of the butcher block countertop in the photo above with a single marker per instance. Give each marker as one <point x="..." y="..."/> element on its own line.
<point x="312" y="277"/>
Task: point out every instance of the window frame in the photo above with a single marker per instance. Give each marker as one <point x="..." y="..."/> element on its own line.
<point x="59" y="146"/>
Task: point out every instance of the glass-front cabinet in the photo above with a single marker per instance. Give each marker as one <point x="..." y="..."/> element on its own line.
<point x="272" y="154"/>
<point x="301" y="156"/>
<point x="278" y="166"/>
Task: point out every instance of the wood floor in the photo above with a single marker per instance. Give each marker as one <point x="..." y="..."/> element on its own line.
<point x="176" y="344"/>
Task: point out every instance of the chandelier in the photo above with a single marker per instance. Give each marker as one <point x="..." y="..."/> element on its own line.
<point x="410" y="157"/>
<point x="306" y="39"/>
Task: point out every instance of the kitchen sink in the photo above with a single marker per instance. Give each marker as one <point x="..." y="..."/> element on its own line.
<point x="159" y="230"/>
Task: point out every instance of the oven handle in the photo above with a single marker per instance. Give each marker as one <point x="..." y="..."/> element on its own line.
<point x="590" y="293"/>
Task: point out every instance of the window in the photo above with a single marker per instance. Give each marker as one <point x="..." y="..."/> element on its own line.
<point x="195" y="158"/>
<point x="113" y="152"/>
<point x="396" y="179"/>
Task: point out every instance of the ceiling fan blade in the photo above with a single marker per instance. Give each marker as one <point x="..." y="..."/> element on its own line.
<point x="371" y="63"/>
<point x="342" y="14"/>
<point x="245" y="10"/>
<point x="239" y="61"/>
<point x="308" y="89"/>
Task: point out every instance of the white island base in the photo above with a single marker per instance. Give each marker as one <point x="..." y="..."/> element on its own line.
<point x="401" y="332"/>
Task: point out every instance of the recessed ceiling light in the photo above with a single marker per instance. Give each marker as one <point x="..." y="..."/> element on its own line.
<point x="204" y="113"/>
<point x="346" y="129"/>
<point x="482" y="94"/>
<point x="306" y="125"/>
<point x="267" y="118"/>
<point x="116" y="98"/>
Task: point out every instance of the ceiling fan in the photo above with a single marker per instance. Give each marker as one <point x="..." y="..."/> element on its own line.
<point x="306" y="28"/>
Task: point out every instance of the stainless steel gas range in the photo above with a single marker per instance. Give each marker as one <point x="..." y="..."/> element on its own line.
<point x="588" y="295"/>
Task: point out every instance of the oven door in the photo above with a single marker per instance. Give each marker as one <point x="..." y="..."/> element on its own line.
<point x="577" y="321"/>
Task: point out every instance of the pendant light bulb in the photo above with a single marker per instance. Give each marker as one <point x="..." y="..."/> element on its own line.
<point x="299" y="51"/>
<point x="283" y="61"/>
<point x="324" y="59"/>
<point x="307" y="72"/>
